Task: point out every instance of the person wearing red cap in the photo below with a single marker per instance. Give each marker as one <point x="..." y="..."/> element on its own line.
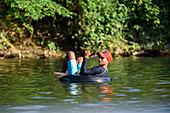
<point x="79" y="66"/>
<point x="105" y="58"/>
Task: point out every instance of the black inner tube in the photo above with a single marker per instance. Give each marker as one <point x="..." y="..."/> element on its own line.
<point x="85" y="78"/>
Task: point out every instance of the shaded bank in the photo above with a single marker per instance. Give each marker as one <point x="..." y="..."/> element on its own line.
<point x="39" y="53"/>
<point x="29" y="53"/>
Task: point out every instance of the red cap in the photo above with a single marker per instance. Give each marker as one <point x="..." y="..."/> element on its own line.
<point x="106" y="54"/>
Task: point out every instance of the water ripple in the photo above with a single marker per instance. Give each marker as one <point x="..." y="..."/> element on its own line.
<point x="164" y="95"/>
<point x="131" y="102"/>
<point x="39" y="97"/>
<point x="120" y="95"/>
<point x="28" y="107"/>
<point x="134" y="76"/>
<point x="134" y="98"/>
<point x="45" y="92"/>
<point x="68" y="100"/>
<point x="162" y="82"/>
<point x="132" y="90"/>
<point x="160" y="90"/>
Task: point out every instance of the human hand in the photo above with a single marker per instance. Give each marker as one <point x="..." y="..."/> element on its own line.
<point x="88" y="53"/>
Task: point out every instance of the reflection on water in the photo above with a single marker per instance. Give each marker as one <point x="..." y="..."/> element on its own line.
<point x="139" y="85"/>
<point x="73" y="89"/>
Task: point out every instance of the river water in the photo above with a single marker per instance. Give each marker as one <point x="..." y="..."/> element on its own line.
<point x="139" y="85"/>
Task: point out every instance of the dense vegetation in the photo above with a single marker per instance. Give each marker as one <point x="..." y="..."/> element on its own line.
<point x="117" y="25"/>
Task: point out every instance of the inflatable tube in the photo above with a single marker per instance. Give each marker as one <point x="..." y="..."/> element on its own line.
<point x="85" y="78"/>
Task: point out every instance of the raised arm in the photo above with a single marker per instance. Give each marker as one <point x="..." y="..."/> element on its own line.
<point x="85" y="71"/>
<point x="87" y="54"/>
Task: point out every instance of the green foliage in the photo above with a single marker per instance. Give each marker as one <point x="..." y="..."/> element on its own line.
<point x="3" y="35"/>
<point x="101" y="22"/>
<point x="95" y="24"/>
<point x="108" y="23"/>
<point x="52" y="46"/>
<point x="37" y="9"/>
<point x="3" y="39"/>
<point x="28" y="10"/>
<point x="148" y="22"/>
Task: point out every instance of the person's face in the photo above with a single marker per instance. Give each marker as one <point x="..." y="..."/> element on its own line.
<point x="103" y="61"/>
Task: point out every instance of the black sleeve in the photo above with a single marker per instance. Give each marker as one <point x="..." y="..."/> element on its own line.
<point x="91" y="71"/>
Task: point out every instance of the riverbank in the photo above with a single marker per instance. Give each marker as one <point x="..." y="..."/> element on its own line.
<point x="39" y="53"/>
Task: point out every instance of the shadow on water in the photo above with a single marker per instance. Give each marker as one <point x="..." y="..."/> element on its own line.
<point x="139" y="85"/>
